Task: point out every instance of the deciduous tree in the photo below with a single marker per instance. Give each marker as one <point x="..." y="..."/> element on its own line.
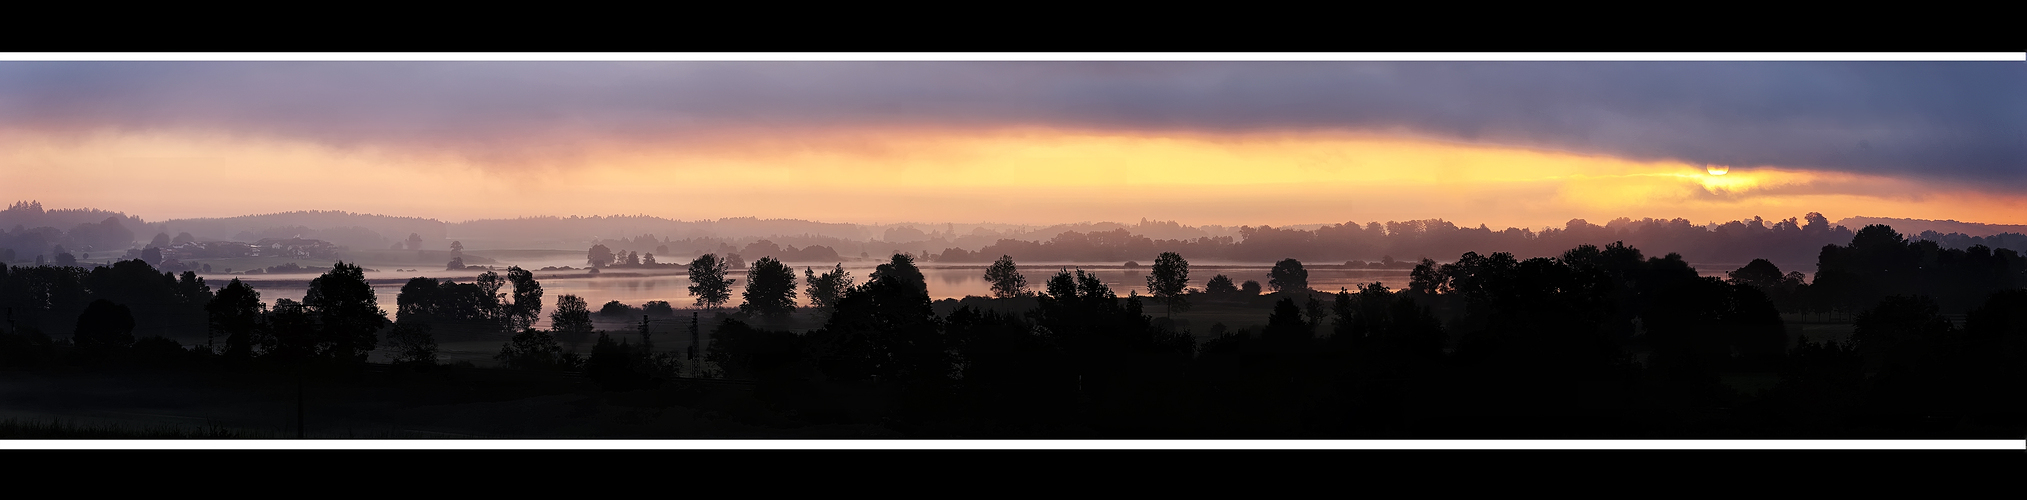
<point x="1168" y="280"/>
<point x="348" y="314"/>
<point x="599" y="256"/>
<point x="1007" y="281"/>
<point x="572" y="318"/>
<point x="825" y="289"/>
<point x="527" y="305"/>
<point x="708" y="282"/>
<point x="1288" y="276"/>
<point x="770" y="289"/>
<point x="235" y="313"/>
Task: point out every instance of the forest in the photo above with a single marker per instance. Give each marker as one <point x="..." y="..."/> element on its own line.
<point x="1598" y="342"/>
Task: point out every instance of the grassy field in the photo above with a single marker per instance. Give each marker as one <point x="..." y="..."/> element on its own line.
<point x="384" y="403"/>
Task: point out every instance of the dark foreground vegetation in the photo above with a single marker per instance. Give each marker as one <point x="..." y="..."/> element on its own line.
<point x="1598" y="342"/>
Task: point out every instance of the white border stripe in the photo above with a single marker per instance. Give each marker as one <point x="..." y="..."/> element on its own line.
<point x="1014" y="56"/>
<point x="369" y="444"/>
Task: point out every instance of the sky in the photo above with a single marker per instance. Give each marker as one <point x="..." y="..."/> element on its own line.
<point x="1505" y="144"/>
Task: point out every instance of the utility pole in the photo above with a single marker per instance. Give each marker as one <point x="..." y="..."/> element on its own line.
<point x="300" y="432"/>
<point x="693" y="335"/>
<point x="645" y="341"/>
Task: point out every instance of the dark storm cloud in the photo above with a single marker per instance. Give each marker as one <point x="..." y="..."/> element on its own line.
<point x="1962" y="121"/>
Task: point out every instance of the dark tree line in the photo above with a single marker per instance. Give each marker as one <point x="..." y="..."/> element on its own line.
<point x="50" y="298"/>
<point x="134" y="311"/>
<point x="1598" y="341"/>
<point x="489" y="304"/>
<point x="1792" y="240"/>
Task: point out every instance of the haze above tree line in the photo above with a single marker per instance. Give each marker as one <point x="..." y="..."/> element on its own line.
<point x="29" y="230"/>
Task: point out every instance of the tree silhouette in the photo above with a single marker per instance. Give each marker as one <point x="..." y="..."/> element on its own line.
<point x="1062" y="286"/>
<point x="289" y="334"/>
<point x="527" y="295"/>
<point x="235" y="313"/>
<point x="1288" y="276"/>
<point x="1090" y="287"/>
<point x="599" y="256"/>
<point x="770" y="289"/>
<point x="748" y="353"/>
<point x="1816" y="222"/>
<point x="1314" y="312"/>
<point x="708" y="283"/>
<point x="1250" y="288"/>
<point x="534" y="350"/>
<point x="825" y="289"/>
<point x="414" y="241"/>
<point x="412" y="344"/>
<point x="620" y="366"/>
<point x="348" y="314"/>
<point x="1168" y="281"/>
<point x="418" y="300"/>
<point x="1899" y="330"/>
<point x="66" y="259"/>
<point x="104" y="326"/>
<point x="1007" y="281"/>
<point x="1375" y="318"/>
<point x="1220" y="285"/>
<point x="902" y="269"/>
<point x="151" y="255"/>
<point x="571" y="319"/>
<point x="491" y="305"/>
<point x="883" y="330"/>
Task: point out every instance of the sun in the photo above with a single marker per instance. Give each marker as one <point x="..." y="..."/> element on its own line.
<point x="1718" y="169"/>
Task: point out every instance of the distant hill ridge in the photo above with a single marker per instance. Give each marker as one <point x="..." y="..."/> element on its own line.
<point x="364" y="230"/>
<point x="30" y="214"/>
<point x="1916" y="226"/>
<point x="387" y="227"/>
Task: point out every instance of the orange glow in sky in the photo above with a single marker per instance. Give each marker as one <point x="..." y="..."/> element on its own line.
<point x="1013" y="175"/>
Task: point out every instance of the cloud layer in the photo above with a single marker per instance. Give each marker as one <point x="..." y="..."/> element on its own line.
<point x="1946" y="121"/>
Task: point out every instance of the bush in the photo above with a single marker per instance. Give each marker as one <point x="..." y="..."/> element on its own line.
<point x="103" y="327"/>
<point x="744" y="352"/>
<point x="621" y="366"/>
<point x="412" y="344"/>
<point x="26" y="348"/>
<point x="158" y="350"/>
<point x="614" y="308"/>
<point x="535" y="350"/>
